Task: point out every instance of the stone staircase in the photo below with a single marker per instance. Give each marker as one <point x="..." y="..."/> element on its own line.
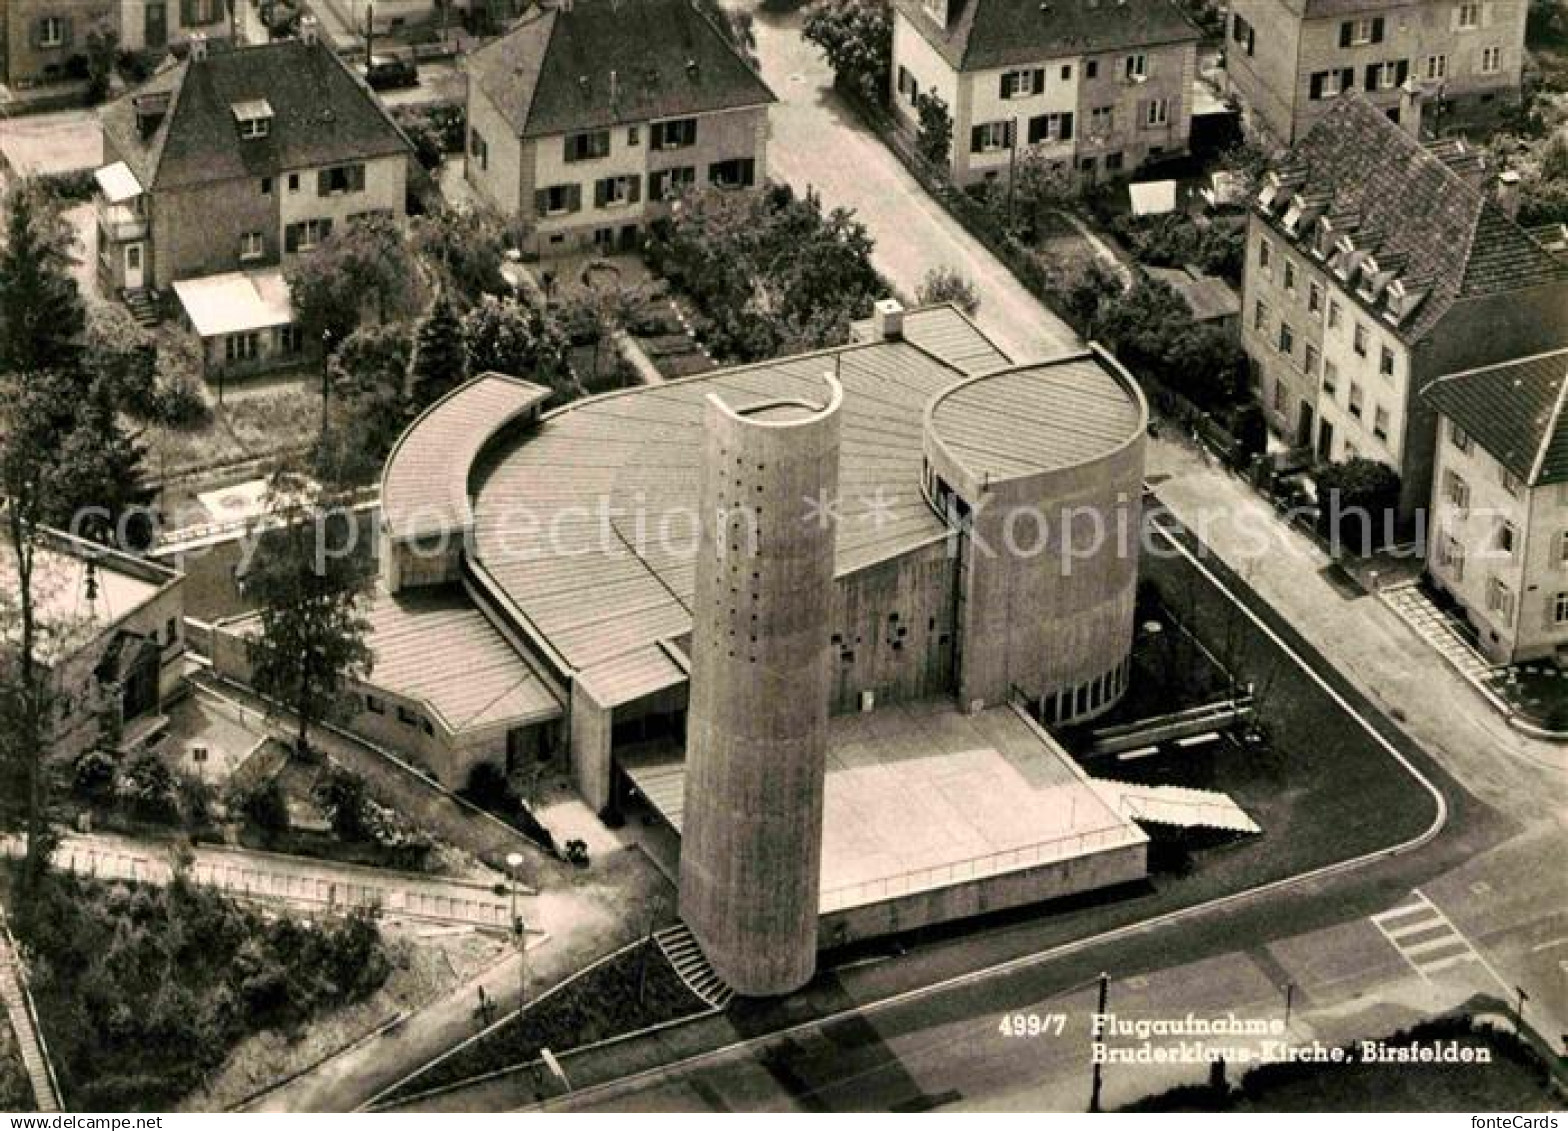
<point x="1416" y="609"/>
<point x="143" y="305"/>
<point x="28" y="1041"/>
<point x="1179" y="806"/>
<point x="680" y="947"/>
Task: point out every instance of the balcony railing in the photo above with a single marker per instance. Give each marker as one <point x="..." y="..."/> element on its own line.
<point x="123" y="223"/>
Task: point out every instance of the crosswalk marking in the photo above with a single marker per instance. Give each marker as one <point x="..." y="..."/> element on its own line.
<point x="1440" y="946"/>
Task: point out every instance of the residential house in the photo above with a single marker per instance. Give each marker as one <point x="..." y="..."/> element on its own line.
<point x="111" y="634"/>
<point x="1498" y="536"/>
<point x="1375" y="264"/>
<point x="222" y="167"/>
<point x="46" y="40"/>
<point x="591" y="116"/>
<point x="1098" y="86"/>
<point x="1289" y="59"/>
<point x="154" y="25"/>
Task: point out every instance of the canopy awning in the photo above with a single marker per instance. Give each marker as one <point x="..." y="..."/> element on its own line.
<point x="235" y="302"/>
<point x="1152" y="198"/>
<point x="118" y="183"/>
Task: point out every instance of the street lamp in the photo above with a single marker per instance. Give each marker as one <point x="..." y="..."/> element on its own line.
<point x="326" y="358"/>
<point x="514" y="863"/>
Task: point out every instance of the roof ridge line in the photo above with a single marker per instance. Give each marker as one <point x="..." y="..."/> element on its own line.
<point x="1549" y="431"/>
<point x="551" y="15"/>
<point x="1495" y="365"/>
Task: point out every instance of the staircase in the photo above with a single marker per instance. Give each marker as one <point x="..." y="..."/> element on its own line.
<point x="1178" y="806"/>
<point x="144" y="307"/>
<point x="28" y="1042"/>
<point x="680" y="947"/>
<point x="1436" y="627"/>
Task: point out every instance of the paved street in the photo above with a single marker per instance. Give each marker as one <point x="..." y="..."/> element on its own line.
<point x="818" y="142"/>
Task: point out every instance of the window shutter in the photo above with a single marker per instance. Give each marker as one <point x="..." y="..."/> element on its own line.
<point x="574" y="198"/>
<point x="977" y="139"/>
<point x="541" y="202"/>
<point x="634" y="189"/>
<point x="1038" y="84"/>
<point x="1346" y="29"/>
<point x="35" y="36"/>
<point x="1002" y="86"/>
<point x="1010" y="134"/>
<point x="1401" y="72"/>
<point x="326" y="230"/>
<point x="187" y="13"/>
<point x="1143" y="112"/>
<point x="323" y="186"/>
<point x="1037" y="128"/>
<point x="601" y="193"/>
<point x="1252" y="41"/>
<point x="1067" y="126"/>
<point x="357" y="181"/>
<point x="1377" y="29"/>
<point x="291" y="238"/>
<point x="567" y="153"/>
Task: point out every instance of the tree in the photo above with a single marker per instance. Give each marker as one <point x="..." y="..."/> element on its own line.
<point x="944" y="284"/>
<point x="342" y="794"/>
<point x="462" y="248"/>
<point x="103" y="43"/>
<point x="1361" y="491"/>
<point x="1041" y="185"/>
<point x="311" y="580"/>
<point x="369" y="372"/>
<point x="857" y="38"/>
<point x="41" y="312"/>
<point x="365" y="269"/>
<point x="263" y="804"/>
<point x="510" y="336"/>
<point x="934" y="138"/>
<point x="440" y="358"/>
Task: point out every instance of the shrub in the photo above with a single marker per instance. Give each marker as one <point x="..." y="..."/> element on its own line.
<point x="263" y="804"/>
<point x="196" y="797"/>
<point x="148" y="788"/>
<point x="857" y="38"/>
<point x="577" y="853"/>
<point x="1358" y="491"/>
<point x="75" y="186"/>
<point x="92" y="778"/>
<point x="945" y="284"/>
<point x="342" y="794"/>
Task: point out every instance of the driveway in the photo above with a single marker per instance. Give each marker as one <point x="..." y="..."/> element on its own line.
<point x="818" y="143"/>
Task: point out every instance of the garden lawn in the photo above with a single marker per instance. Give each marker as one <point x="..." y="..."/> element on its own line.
<point x="143" y="991"/>
<point x="601" y="1003"/>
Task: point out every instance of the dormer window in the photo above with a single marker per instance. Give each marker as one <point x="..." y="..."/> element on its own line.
<point x="937" y="10"/>
<point x="254" y="118"/>
<point x="1292" y="216"/>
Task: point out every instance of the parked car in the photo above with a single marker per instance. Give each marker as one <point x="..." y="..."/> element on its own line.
<point x="387" y="72"/>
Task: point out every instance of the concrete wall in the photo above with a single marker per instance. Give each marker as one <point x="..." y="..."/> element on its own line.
<point x="893" y="629"/>
<point x="592" y="771"/>
<point x="1127" y="864"/>
<point x="498" y="177"/>
<point x="757" y="725"/>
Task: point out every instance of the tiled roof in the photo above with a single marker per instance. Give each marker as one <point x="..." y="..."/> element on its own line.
<point x="999" y="33"/>
<point x="322" y="114"/>
<point x="1515" y="411"/>
<point x="596" y="63"/>
<point x="1415" y="210"/>
<point x="1040" y="418"/>
<point x="424" y="488"/>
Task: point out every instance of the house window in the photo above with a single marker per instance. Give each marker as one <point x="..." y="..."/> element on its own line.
<point x="51" y="31"/>
<point x="1455" y="490"/>
<point x="1287" y="338"/>
<point x="633" y="135"/>
<point x="306" y="234"/>
<point x="1260" y="315"/>
<point x="1050" y="127"/>
<point x="1386" y="76"/>
<point x="616" y="192"/>
<point x="291" y="339"/>
<point x="1562" y="548"/>
<point x="558" y="200"/>
<point x="1507" y="536"/>
<point x="1355" y="400"/>
<point x="1158" y="113"/>
<point x="266" y="186"/>
<point x="1311" y="362"/>
<point x="1380" y="423"/>
<point x="1436" y="66"/>
<point x="1113" y="162"/>
<point x="375" y="706"/>
<point x="908" y="87"/>
<point x="1290" y="277"/>
<point x="1330" y="378"/>
<point x="1467" y="16"/>
<point x="740" y="172"/>
<point x="1333" y="313"/>
<point x="406" y="717"/>
<point x="1265" y="254"/>
<point x="1102" y="120"/>
<point x="1359" y="340"/>
<point x="1280" y="396"/>
<point x="1451" y="554"/>
<point x="1328" y="84"/>
<point x="1385" y="362"/>
<point x="669" y="183"/>
<point x="1091" y="69"/>
<point x="589" y="146"/>
<point x="1357" y="33"/>
<point x="1491" y="60"/>
<point x="992" y="137"/>
<point x="251" y="246"/>
<point x="1509" y="480"/>
<point x="1022" y="84"/>
<point x="241" y="347"/>
<point x="255" y="127"/>
<point x="1244" y="33"/>
<point x="1314" y="298"/>
<point x="1136" y="67"/>
<point x="1458" y="436"/>
<point x="1067" y="72"/>
<point x="293" y="182"/>
<point x="342" y="179"/>
<point x="479" y="148"/>
<point x="1499" y="598"/>
<point x="678" y="134"/>
<point x="1560" y="609"/>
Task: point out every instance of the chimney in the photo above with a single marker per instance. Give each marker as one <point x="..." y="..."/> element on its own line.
<point x="1410" y="100"/>
<point x="1508" y="193"/>
<point x="196" y="46"/>
<point x="615" y="87"/>
<point x="887" y="320"/>
<point x="309" y="29"/>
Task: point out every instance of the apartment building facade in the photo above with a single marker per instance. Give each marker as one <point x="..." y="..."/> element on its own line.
<point x="43" y="41"/>
<point x="229" y="164"/>
<point x="1376" y="264"/>
<point x="590" y="118"/>
<point x="1498" y="535"/>
<point x="1289" y="59"/>
<point x="1096" y="87"/>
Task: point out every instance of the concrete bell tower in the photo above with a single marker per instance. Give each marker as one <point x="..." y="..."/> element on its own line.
<point x="756" y="752"/>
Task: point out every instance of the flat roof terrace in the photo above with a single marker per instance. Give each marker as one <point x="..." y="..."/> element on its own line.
<point x="920" y="796"/>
